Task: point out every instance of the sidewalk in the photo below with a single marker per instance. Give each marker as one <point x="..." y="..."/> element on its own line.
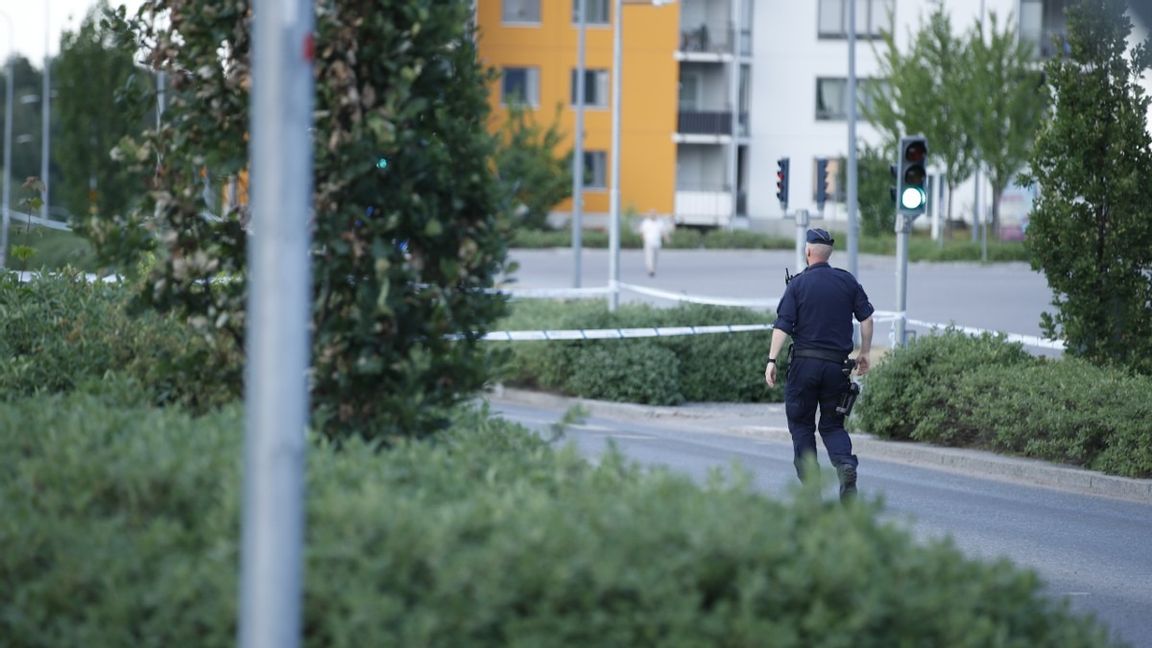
<point x="767" y="420"/>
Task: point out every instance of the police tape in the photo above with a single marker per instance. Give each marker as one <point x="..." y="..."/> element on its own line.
<point x="624" y="333"/>
<point x="621" y="333"/>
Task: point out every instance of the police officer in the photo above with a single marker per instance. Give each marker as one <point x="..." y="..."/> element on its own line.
<point x="816" y="311"/>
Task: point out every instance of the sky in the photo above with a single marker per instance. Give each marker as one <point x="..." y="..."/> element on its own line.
<point x="28" y="24"/>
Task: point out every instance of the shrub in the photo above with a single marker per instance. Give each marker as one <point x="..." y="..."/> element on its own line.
<point x="903" y="397"/>
<point x="120" y="528"/>
<point x="982" y="392"/>
<point x="710" y="367"/>
<point x="60" y="331"/>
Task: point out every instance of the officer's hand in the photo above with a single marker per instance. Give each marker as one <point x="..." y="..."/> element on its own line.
<point x="770" y="374"/>
<point x="862" y="364"/>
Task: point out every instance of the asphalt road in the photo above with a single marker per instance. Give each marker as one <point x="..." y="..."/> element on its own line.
<point x="1006" y="297"/>
<point x="1090" y="550"/>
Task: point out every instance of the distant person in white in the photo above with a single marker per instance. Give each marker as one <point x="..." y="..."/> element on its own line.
<point x="654" y="231"/>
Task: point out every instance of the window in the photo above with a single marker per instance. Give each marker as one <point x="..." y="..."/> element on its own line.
<point x="690" y="90"/>
<point x="832" y="98"/>
<point x="520" y="86"/>
<point x="595" y="170"/>
<point x="872" y="17"/>
<point x="595" y="12"/>
<point x="595" y="88"/>
<point x="521" y="11"/>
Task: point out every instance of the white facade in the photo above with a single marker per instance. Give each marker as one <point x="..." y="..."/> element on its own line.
<point x="790" y="59"/>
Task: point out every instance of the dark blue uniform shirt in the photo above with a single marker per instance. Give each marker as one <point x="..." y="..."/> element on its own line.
<point x="818" y="306"/>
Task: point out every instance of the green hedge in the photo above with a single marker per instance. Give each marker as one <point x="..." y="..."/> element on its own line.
<point x="121" y="529"/>
<point x="60" y="331"/>
<point x="984" y="392"/>
<point x="919" y="248"/>
<point x="723" y="367"/>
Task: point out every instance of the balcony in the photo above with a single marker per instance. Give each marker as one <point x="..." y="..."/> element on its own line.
<point x="706" y="206"/>
<point x="698" y="122"/>
<point x="707" y="39"/>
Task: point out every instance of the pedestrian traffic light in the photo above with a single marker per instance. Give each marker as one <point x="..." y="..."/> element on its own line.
<point x="911" y="195"/>
<point x="823" y="182"/>
<point x="782" y="181"/>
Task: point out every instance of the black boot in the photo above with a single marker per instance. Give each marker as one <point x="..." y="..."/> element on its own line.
<point x="847" y="474"/>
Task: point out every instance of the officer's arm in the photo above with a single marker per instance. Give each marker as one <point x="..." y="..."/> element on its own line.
<point x="862" y="361"/>
<point x="778" y="339"/>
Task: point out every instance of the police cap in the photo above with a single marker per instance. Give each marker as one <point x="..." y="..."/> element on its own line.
<point x="820" y="236"/>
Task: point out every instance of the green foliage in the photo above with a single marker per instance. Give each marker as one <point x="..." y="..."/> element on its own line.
<point x="929" y="91"/>
<point x="665" y="370"/>
<point x="54" y="249"/>
<point x="1090" y="231"/>
<point x="102" y="98"/>
<point x="121" y="528"/>
<point x="682" y="238"/>
<point x="903" y="395"/>
<point x="877" y="208"/>
<point x="982" y="392"/>
<point x="527" y="159"/>
<point x="27" y="117"/>
<point x="58" y="333"/>
<point x="1009" y="107"/>
<point x="394" y="331"/>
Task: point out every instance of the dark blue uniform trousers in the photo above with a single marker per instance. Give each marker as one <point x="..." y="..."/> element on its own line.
<point x="816" y="384"/>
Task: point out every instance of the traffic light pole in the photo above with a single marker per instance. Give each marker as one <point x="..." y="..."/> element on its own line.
<point x="802" y="220"/>
<point x="903" y="227"/>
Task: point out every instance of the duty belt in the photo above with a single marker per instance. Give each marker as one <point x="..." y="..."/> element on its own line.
<point x="820" y="354"/>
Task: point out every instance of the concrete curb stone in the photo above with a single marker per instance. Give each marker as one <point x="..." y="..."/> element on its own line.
<point x="750" y="420"/>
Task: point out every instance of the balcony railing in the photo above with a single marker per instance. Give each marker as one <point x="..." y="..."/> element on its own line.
<point x="691" y="122"/>
<point x="712" y="39"/>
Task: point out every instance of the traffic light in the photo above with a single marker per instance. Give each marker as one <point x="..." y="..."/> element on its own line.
<point x="823" y="182"/>
<point x="381" y="163"/>
<point x="782" y="181"/>
<point x="911" y="196"/>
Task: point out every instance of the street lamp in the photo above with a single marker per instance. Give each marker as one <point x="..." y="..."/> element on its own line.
<point x="7" y="180"/>
<point x="614" y="193"/>
<point x="46" y="97"/>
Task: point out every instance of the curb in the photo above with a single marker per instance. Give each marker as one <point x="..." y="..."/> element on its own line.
<point x="960" y="460"/>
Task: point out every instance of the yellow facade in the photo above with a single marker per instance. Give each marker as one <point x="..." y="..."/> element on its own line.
<point x="649" y="80"/>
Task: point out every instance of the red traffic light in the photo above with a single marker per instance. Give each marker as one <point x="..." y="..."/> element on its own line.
<point x="915" y="152"/>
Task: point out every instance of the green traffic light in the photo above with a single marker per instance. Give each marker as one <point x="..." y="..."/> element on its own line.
<point x="382" y="163"/>
<point x="912" y="198"/>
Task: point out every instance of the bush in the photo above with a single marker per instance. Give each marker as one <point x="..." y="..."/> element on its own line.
<point x="60" y="331"/>
<point x="120" y="528"/>
<point x="983" y="392"/>
<point x="904" y="396"/>
<point x="711" y="367"/>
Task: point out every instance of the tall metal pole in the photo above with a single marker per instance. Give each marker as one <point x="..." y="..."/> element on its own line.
<point x="853" y="219"/>
<point x="614" y="192"/>
<point x="279" y="305"/>
<point x="7" y="179"/>
<point x="578" y="152"/>
<point x="903" y="226"/>
<point x="46" y="112"/>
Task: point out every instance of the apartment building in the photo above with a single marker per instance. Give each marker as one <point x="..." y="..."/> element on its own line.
<point x="715" y="91"/>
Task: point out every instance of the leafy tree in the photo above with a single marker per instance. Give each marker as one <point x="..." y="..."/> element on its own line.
<point x="877" y="209"/>
<point x="89" y="74"/>
<point x="1008" y="107"/>
<point x="527" y="160"/>
<point x="404" y="257"/>
<point x="1089" y="231"/>
<point x="27" y="81"/>
<point x="928" y="91"/>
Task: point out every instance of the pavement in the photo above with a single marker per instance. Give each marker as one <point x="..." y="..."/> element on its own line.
<point x="768" y="421"/>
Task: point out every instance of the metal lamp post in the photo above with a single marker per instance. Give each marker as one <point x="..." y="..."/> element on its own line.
<point x="614" y="193"/>
<point x="7" y="180"/>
